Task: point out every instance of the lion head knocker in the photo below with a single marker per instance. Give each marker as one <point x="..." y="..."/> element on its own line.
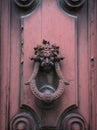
<point x="47" y="64"/>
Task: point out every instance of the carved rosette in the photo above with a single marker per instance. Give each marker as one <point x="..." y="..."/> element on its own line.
<point x="22" y="121"/>
<point x="26" y="3"/>
<point x="71" y="4"/>
<point x="74" y="121"/>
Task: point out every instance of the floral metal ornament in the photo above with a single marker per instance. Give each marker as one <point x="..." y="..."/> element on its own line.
<point x="47" y="55"/>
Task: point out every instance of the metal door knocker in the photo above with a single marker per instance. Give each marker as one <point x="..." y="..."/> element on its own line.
<point x="47" y="82"/>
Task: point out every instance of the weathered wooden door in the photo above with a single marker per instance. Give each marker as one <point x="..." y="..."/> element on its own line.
<point x="57" y="89"/>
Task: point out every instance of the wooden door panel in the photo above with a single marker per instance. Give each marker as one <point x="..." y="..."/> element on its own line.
<point x="64" y="23"/>
<point x="46" y="26"/>
<point x="44" y="23"/>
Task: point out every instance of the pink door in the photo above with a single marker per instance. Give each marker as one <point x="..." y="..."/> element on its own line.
<point x="48" y="65"/>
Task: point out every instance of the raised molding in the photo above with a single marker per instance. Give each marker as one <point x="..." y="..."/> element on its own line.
<point x="22" y="121"/>
<point x="74" y="121"/>
<point x="71" y="5"/>
<point x="26" y="3"/>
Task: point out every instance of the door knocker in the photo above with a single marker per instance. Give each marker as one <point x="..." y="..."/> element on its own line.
<point x="47" y="82"/>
